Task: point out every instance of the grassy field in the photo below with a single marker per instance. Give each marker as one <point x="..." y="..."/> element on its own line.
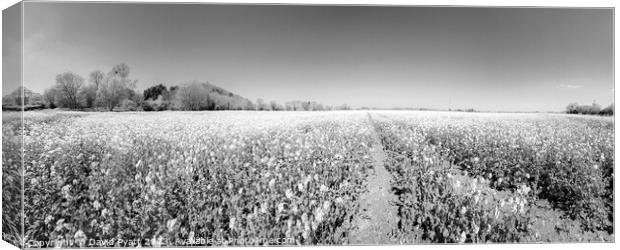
<point x="170" y="178"/>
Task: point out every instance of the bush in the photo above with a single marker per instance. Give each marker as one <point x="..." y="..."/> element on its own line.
<point x="609" y="110"/>
<point x="127" y="105"/>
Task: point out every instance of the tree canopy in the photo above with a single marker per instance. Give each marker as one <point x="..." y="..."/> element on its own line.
<point x="116" y="91"/>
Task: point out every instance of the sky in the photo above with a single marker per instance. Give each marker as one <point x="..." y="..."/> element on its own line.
<point x="495" y="59"/>
<point x="11" y="48"/>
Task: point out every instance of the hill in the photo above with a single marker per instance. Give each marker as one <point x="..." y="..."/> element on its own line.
<point x="225" y="99"/>
<point x="193" y="96"/>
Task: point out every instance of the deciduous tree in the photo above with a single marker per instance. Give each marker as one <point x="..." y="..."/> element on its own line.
<point x="68" y="84"/>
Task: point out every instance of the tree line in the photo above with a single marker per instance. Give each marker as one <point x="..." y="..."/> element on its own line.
<point x="103" y="91"/>
<point x="31" y="100"/>
<point x="594" y="109"/>
<point x="116" y="91"/>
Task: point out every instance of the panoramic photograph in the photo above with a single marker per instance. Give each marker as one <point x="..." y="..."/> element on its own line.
<point x="128" y="124"/>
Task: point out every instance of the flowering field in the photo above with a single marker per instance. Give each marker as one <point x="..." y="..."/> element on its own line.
<point x="501" y="177"/>
<point x="170" y="178"/>
<point x="163" y="177"/>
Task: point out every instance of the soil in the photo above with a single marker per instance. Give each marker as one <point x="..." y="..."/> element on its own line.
<point x="378" y="217"/>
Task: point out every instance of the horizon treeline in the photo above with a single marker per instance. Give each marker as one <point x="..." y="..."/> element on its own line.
<point x="116" y="91"/>
<point x="593" y="109"/>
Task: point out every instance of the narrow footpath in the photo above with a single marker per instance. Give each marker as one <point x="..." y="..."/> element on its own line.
<point x="378" y="216"/>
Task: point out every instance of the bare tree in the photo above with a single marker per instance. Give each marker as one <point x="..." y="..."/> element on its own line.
<point x="261" y="104"/>
<point x="193" y="96"/>
<point x="69" y="84"/>
<point x="96" y="78"/>
<point x="248" y="105"/>
<point x="88" y="95"/>
<point x="110" y="93"/>
<point x="115" y="88"/>
<point x="274" y="105"/>
<point x="49" y="97"/>
<point x="121" y="70"/>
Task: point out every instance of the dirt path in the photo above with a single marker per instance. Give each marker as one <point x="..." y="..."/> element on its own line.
<point x="378" y="217"/>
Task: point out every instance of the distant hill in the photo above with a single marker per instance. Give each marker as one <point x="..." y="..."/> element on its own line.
<point x="194" y="96"/>
<point x="224" y="99"/>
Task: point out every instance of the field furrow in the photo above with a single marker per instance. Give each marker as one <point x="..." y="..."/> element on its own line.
<point x="378" y="218"/>
<point x="482" y="179"/>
